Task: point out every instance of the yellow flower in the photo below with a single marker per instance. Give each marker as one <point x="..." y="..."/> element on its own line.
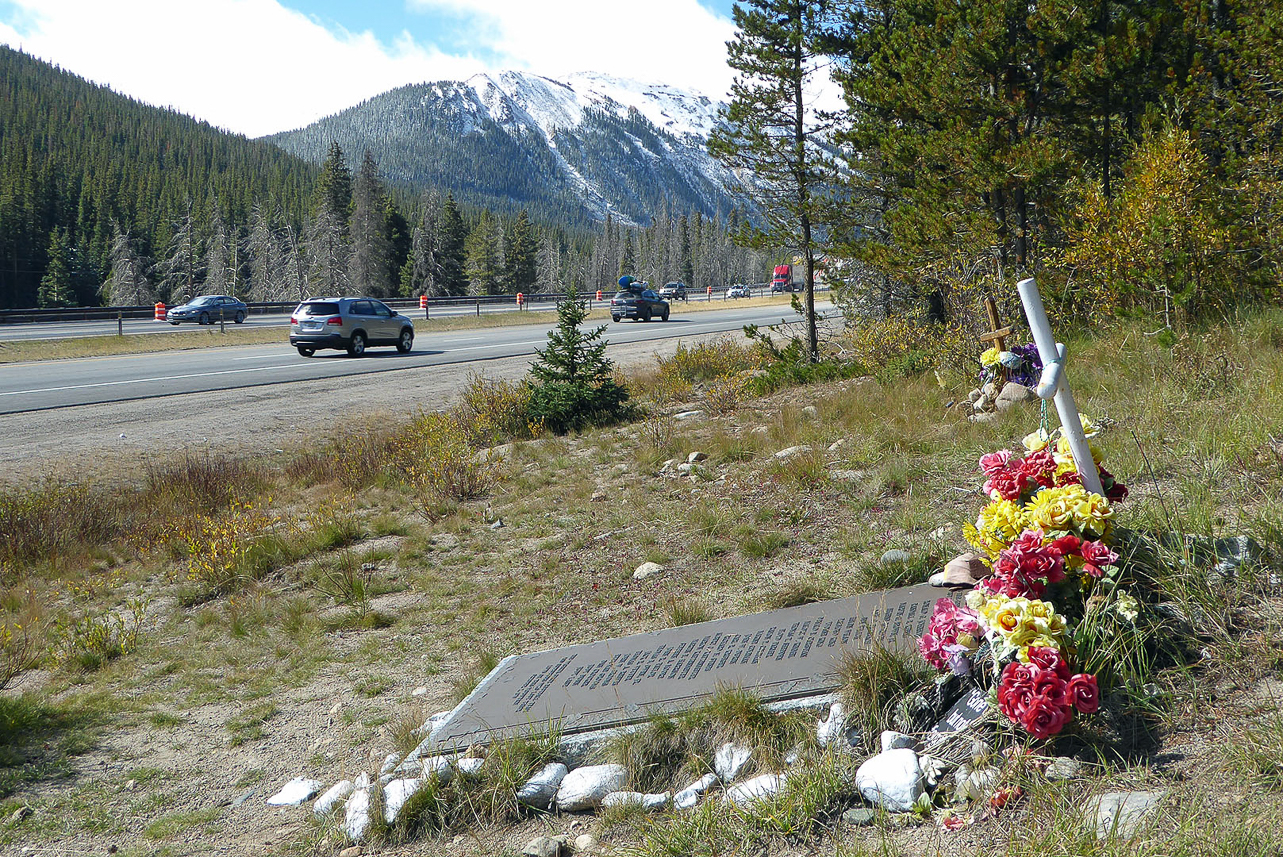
<point x="1036" y="441"/>
<point x="1092" y="514"/>
<point x="989" y="357"/>
<point x="997" y="527"/>
<point x="1090" y="429"/>
<point x="1051" y="509"/>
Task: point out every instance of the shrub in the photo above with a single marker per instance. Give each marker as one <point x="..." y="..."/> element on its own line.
<point x="17" y="651"/>
<point x="707" y="361"/>
<point x="88" y="642"/>
<point x="47" y="521"/>
<point x="725" y="394"/>
<point x="224" y="553"/>
<point x="493" y="411"/>
<point x="443" y="466"/>
<point x="200" y="481"/>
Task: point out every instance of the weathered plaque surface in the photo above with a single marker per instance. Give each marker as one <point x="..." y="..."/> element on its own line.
<point x="781" y="654"/>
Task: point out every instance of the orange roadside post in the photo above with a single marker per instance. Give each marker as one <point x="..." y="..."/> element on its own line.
<point x="160" y="311"/>
<point x="520" y="299"/>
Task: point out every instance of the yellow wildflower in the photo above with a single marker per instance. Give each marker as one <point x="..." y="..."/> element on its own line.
<point x="989" y="357"/>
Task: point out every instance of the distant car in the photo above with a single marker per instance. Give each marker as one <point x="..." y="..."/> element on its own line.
<point x="348" y="323"/>
<point x="673" y="291"/>
<point x="638" y="304"/>
<point x="739" y="290"/>
<point x="208" y="309"/>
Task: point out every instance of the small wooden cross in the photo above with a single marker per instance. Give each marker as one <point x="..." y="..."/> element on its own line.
<point x="998" y="336"/>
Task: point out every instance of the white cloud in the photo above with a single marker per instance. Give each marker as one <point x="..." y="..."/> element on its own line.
<point x="250" y="66"/>
<point x="256" y="67"/>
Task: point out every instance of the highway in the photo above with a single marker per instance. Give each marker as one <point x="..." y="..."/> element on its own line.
<point x="27" y="387"/>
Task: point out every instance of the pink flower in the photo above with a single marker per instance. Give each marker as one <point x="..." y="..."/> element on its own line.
<point x="994" y="461"/>
<point x="1084" y="693"/>
<point x="1043" y="658"/>
<point x="1040" y="468"/>
<point x="1007" y="484"/>
<point x="1097" y="555"/>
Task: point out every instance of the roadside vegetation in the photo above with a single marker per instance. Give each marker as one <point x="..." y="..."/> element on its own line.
<point x="272" y="617"/>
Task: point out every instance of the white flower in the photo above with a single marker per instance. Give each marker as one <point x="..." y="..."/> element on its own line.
<point x="1127" y="607"/>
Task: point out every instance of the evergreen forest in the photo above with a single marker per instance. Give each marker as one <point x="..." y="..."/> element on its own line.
<point x="108" y="201"/>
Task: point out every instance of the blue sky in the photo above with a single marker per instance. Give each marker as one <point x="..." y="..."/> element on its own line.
<point x="259" y="66"/>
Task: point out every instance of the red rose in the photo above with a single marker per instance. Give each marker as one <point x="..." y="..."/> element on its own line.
<point x="1097" y="555"/>
<point x="1040" y="467"/>
<point x="1084" y="693"/>
<point x="1070" y="477"/>
<point x="995" y="462"/>
<point x="1067" y="546"/>
<point x="1052" y="687"/>
<point x="1009" y="484"/>
<point x="1045" y="658"/>
<point x="1044" y="718"/>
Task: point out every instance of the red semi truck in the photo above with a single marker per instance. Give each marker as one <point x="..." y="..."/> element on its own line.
<point x="788" y="278"/>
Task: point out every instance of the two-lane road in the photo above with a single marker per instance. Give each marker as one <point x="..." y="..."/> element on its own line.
<point x="64" y="383"/>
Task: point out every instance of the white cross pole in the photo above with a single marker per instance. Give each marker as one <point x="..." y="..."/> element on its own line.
<point x="1054" y="384"/>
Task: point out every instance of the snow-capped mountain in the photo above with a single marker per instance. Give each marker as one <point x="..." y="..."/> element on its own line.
<point x="570" y="149"/>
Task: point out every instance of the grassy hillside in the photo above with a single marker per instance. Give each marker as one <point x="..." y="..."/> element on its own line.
<point x="230" y="624"/>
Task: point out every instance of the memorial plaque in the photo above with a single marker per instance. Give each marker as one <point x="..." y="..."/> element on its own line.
<point x="781" y="654"/>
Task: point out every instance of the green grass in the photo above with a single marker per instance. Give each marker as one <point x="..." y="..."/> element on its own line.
<point x="248" y="725"/>
<point x="169" y="826"/>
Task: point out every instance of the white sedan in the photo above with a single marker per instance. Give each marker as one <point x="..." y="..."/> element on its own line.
<point x="738" y="291"/>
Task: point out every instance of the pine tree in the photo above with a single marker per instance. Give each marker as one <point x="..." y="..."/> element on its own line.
<point x="327" y="256"/>
<point x="771" y="129"/>
<point x="127" y="284"/>
<point x="421" y="274"/>
<point x="371" y="253"/>
<point x="572" y="387"/>
<point x="56" y="286"/>
<point x="452" y="253"/>
<point x="333" y="192"/>
<point x="519" y="256"/>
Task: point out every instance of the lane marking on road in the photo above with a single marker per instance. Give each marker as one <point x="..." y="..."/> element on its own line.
<point x="152" y="380"/>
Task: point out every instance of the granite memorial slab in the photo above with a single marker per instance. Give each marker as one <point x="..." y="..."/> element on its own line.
<point x="777" y="655"/>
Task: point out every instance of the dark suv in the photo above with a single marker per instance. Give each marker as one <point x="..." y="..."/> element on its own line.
<point x="673" y="291"/>
<point x="348" y="323"/>
<point x="638" y="304"/>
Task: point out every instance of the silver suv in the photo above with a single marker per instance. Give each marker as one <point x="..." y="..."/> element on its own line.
<point x="348" y="323"/>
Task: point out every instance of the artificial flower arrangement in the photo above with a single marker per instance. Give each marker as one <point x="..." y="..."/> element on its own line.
<point x="1047" y="540"/>
<point x="1022" y="362"/>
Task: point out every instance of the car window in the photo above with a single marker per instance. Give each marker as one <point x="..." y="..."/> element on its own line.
<point x="382" y="309"/>
<point x="625" y="295"/>
<point x="318" y="309"/>
<point x="362" y="308"/>
<point x="203" y="300"/>
<point x="649" y="295"/>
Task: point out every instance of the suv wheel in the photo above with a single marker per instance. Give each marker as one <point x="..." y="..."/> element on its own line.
<point x="357" y="346"/>
<point x="665" y="316"/>
<point x="240" y="317"/>
<point x="612" y="318"/>
<point x="405" y="341"/>
<point x="306" y="350"/>
<point x="646" y="316"/>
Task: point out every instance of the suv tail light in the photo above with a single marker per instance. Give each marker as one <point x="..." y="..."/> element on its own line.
<point x="293" y="320"/>
<point x="334" y="319"/>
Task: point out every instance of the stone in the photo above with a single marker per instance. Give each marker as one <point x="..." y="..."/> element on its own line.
<point x="1014" y="395"/>
<point x="981" y="405"/>
<point x="243" y="797"/>
<point x="859" y="816"/>
<point x="688" y="415"/>
<point x="356" y="819"/>
<point x="895" y="557"/>
<point x="21" y="813"/>
<point x="421" y="690"/>
<point x="933" y="769"/>
<point x="975" y="784"/>
<point x="730" y="760"/>
<point x="1063" y="768"/>
<point x="646" y="570"/>
<point x="685" y="467"/>
<point x="352" y="851"/>
<point x="130" y="785"/>
<point x="326" y="803"/>
<point x="835" y="730"/>
<point x="892" y="740"/>
<point x="542" y="846"/>
<point x="757" y="789"/>
<point x="296" y="791"/>
<point x="983" y="418"/>
<point x="790" y="653"/>
<point x="1122" y="815"/>
<point x="837" y="444"/>
<point x="891" y="780"/>
<point x="990" y="390"/>
<point x="689" y="796"/>
<point x="649" y="802"/>
<point x="791" y="451"/>
<point x="585" y="842"/>
<point x="469" y="766"/>
<point x="973" y="396"/>
<point x="497" y="524"/>
<point x="810" y="412"/>
<point x="585" y="788"/>
<point x="539" y="790"/>
<point x="842" y="475"/>
<point x="966" y="570"/>
<point x="395" y="794"/>
<point x="389" y="763"/>
<point x="696" y="456"/>
<point x="597" y="497"/>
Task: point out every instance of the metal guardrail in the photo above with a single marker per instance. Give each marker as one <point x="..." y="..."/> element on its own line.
<point x="32" y="316"/>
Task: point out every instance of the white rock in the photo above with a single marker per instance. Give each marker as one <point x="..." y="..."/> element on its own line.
<point x="395" y="794"/>
<point x="647" y="569"/>
<point x="689" y="796"/>
<point x="421" y="690"/>
<point x="668" y="464"/>
<point x="585" y="842"/>
<point x="810" y="412"/>
<point x="729" y="761"/>
<point x="389" y="763"/>
<point x="584" y="788"/>
<point x="696" y="456"/>
<point x="892" y="740"/>
<point x="1123" y="814"/>
<point x="296" y="791"/>
<point x="469" y="766"/>
<point x="791" y="451"/>
<point x="1014" y="395"/>
<point x="977" y="784"/>
<point x="539" y="790"/>
<point x="834" y="730"/>
<point x="362" y="781"/>
<point x="756" y="789"/>
<point x="837" y="444"/>
<point x="685" y="467"/>
<point x="650" y="802"/>
<point x="356" y="821"/>
<point x="891" y="780"/>
<point x="688" y="415"/>
<point x="328" y="801"/>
